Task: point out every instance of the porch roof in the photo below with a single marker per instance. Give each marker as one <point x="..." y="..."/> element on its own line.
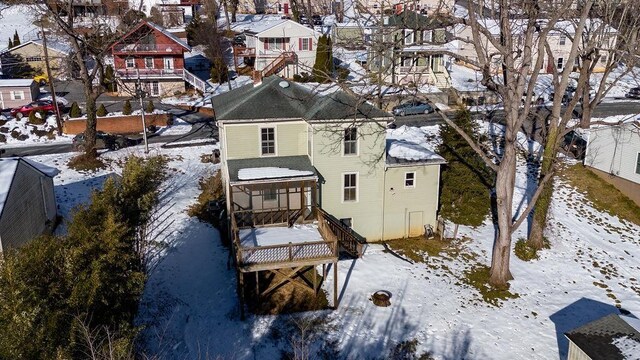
<point x="290" y="167"/>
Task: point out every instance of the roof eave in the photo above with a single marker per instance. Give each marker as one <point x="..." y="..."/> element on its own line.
<point x="272" y="180"/>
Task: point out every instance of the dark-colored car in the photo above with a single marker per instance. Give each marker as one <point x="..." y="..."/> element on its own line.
<point x="239" y="39"/>
<point x="25" y="110"/>
<point x="104" y="141"/>
<point x="412" y="108"/>
<point x="574" y="144"/>
<point x="317" y="20"/>
<point x="634" y="93"/>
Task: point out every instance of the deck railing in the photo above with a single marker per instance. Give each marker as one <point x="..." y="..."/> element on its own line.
<point x="286" y="253"/>
<point x="346" y="237"/>
<point x="265" y="217"/>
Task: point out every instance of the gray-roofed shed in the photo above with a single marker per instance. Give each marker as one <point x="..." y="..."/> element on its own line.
<point x="595" y="338"/>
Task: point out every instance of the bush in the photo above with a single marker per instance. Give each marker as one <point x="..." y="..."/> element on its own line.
<point x="75" y="112"/>
<point x="3" y="121"/>
<point x="343" y="74"/>
<point x="525" y="252"/>
<point x="102" y="111"/>
<point x="126" y="109"/>
<point x="211" y="188"/>
<point x="219" y="71"/>
<point x="37" y="117"/>
<point x="150" y="107"/>
<point x="87" y="162"/>
<point x="53" y="289"/>
<point x="303" y="77"/>
<point x="3" y="138"/>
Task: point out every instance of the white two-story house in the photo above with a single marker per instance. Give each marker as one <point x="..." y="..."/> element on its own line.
<point x="282" y="47"/>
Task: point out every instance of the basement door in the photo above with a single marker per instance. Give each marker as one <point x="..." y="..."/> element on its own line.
<point x="415" y="224"/>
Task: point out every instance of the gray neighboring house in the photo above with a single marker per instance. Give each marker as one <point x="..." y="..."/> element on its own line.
<point x="17" y="92"/>
<point x="27" y="201"/>
<point x="613" y="337"/>
<point x="615" y="149"/>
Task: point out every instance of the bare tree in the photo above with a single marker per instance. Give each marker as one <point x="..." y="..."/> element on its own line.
<point x="90" y="38"/>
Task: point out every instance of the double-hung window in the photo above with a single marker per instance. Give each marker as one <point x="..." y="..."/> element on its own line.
<point x="563" y="39"/>
<point x="638" y="164"/>
<point x="350" y="187"/>
<point x="148" y="63"/>
<point x="409" y="37"/>
<point x="410" y="179"/>
<point x="305" y="44"/>
<point x="17" y="95"/>
<point x="129" y="63"/>
<point x="268" y="141"/>
<point x="351" y="141"/>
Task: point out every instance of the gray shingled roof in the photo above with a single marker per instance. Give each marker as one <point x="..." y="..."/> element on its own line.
<point x="270" y="100"/>
<point x="300" y="162"/>
<point x="596" y="337"/>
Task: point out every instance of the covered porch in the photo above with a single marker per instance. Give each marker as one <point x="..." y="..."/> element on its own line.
<point x="277" y="226"/>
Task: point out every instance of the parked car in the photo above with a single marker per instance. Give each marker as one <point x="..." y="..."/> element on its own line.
<point x="303" y="20"/>
<point x="104" y="141"/>
<point x="412" y="108"/>
<point x="25" y="110"/>
<point x="317" y="20"/>
<point x="633" y="93"/>
<point x="42" y="80"/>
<point x="574" y="144"/>
<point x="239" y="39"/>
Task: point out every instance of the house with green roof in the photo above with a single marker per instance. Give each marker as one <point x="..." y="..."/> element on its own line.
<point x="321" y="166"/>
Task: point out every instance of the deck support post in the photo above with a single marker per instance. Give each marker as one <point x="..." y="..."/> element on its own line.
<point x="335" y="284"/>
<point x="258" y="285"/>
<point x="241" y="293"/>
<point x="315" y="281"/>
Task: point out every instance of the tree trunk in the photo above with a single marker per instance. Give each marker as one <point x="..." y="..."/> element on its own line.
<point x="90" y="131"/>
<point x="541" y="211"/>
<point x="505" y="181"/>
<point x="585" y="117"/>
<point x="234" y="9"/>
<point x="455" y="231"/>
<point x="226" y="15"/>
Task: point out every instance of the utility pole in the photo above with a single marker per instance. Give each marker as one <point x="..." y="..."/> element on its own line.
<point x="141" y="94"/>
<point x="50" y="78"/>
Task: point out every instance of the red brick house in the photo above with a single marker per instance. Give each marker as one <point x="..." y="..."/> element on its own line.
<point x="156" y="57"/>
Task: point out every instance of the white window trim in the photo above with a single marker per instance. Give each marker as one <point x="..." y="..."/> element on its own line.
<point x="409" y="37"/>
<point x="275" y="141"/>
<point x="306" y="48"/>
<point x="145" y="62"/>
<point x="636" y="164"/>
<point x="563" y="40"/>
<point x="357" y="144"/>
<point x="357" y="174"/>
<point x="17" y="92"/>
<point x="133" y="63"/>
<point x="414" y="180"/>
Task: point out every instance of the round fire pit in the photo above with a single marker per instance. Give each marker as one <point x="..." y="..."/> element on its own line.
<point x="381" y="298"/>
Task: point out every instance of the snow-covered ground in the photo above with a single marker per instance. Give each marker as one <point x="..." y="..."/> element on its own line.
<point x="22" y="133"/>
<point x="190" y="307"/>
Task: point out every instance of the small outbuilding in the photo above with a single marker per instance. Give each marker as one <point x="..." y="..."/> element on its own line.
<point x="613" y="337"/>
<point x="17" y="92"/>
<point x="27" y="201"/>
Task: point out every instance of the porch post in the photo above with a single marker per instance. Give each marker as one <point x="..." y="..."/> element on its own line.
<point x="335" y="284"/>
<point x="288" y="204"/>
<point x="241" y="293"/>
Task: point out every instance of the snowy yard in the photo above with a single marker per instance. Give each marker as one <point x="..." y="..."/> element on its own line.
<point x="190" y="306"/>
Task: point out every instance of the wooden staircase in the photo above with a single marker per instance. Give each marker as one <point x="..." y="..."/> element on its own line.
<point x="279" y="63"/>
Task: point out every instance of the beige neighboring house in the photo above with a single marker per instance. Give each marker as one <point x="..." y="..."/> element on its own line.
<point x="559" y="42"/>
<point x="281" y="47"/>
<point x="427" y="7"/>
<point x="27" y="201"/>
<point x="17" y="92"/>
<point x="33" y="53"/>
<point x="278" y="134"/>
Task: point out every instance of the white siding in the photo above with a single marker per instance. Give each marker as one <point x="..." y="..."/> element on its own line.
<point x="614" y="150"/>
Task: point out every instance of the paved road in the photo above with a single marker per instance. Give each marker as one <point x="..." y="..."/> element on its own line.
<point x="602" y="110"/>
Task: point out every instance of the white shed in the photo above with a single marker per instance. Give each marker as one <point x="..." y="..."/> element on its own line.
<point x="27" y="201"/>
<point x="615" y="149"/>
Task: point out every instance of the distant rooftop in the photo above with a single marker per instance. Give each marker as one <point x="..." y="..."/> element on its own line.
<point x="15" y="82"/>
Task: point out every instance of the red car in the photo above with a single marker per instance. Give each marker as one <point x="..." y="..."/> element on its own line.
<point x="25" y="110"/>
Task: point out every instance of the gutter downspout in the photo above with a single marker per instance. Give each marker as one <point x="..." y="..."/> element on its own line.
<point x="384" y="195"/>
